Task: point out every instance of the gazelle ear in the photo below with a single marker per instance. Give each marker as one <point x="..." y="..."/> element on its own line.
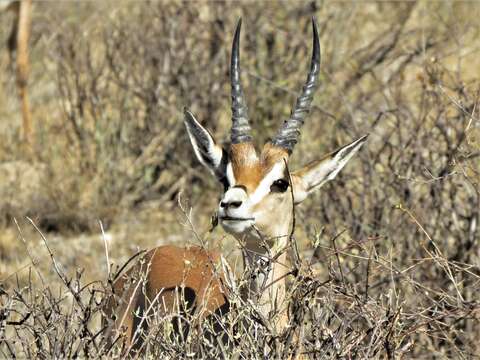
<point x="317" y="173"/>
<point x="212" y="156"/>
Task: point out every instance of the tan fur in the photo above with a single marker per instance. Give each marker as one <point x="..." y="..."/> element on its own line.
<point x="248" y="168"/>
<point x="163" y="271"/>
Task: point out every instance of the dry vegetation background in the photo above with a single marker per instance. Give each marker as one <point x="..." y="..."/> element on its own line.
<point x="392" y="245"/>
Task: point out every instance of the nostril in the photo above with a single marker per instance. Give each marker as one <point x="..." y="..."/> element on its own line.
<point x="231" y="204"/>
<point x="235" y="204"/>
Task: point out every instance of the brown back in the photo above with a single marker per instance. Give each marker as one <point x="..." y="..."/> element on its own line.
<point x="158" y="280"/>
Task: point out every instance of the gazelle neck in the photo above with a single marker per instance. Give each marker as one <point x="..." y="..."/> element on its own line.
<point x="265" y="262"/>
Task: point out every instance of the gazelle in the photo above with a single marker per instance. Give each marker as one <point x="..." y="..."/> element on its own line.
<point x="256" y="208"/>
<point x="18" y="42"/>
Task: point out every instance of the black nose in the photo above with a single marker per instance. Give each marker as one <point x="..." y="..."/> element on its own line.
<point x="232" y="204"/>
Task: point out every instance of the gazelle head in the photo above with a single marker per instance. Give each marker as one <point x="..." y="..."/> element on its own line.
<point x="259" y="191"/>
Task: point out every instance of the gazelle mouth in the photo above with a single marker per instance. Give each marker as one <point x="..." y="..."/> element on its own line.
<point x="231" y="218"/>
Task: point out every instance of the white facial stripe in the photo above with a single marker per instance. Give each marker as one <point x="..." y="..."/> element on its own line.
<point x="263" y="188"/>
<point x="229" y="174"/>
<point x="234" y="194"/>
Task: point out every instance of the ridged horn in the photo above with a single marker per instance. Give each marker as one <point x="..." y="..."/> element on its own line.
<point x="288" y="134"/>
<point x="240" y="132"/>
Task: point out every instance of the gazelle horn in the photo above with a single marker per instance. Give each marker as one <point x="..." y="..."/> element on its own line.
<point x="240" y="132"/>
<point x="288" y="134"/>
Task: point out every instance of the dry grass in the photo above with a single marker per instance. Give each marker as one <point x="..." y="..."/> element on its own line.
<point x="391" y="249"/>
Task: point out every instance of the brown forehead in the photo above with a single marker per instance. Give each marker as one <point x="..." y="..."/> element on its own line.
<point x="248" y="168"/>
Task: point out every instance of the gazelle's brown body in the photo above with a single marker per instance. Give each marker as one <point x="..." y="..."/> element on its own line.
<point x="175" y="278"/>
<point x="256" y="208"/>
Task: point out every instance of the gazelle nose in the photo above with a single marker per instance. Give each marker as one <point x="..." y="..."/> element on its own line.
<point x="230" y="204"/>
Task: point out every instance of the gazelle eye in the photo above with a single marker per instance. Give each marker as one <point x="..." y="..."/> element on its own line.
<point x="280" y="185"/>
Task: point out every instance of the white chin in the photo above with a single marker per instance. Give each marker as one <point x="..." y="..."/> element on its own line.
<point x="237" y="227"/>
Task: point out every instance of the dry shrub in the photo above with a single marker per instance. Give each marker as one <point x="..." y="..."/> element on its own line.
<point x="333" y="318"/>
<point x="395" y="263"/>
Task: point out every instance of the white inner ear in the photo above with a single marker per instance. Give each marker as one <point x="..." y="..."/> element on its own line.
<point x="207" y="152"/>
<point x="277" y="172"/>
<point x="328" y="169"/>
